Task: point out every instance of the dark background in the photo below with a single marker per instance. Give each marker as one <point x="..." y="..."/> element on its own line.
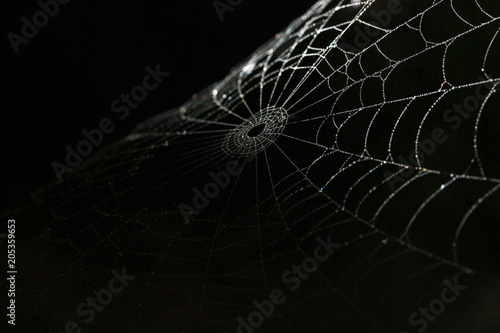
<point x="65" y="79"/>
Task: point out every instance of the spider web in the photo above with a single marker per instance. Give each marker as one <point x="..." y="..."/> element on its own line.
<point x="337" y="117"/>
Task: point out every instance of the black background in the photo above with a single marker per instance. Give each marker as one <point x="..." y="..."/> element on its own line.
<point x="65" y="79"/>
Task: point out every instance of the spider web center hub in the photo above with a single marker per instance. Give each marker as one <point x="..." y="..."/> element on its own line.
<point x="256" y="133"/>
